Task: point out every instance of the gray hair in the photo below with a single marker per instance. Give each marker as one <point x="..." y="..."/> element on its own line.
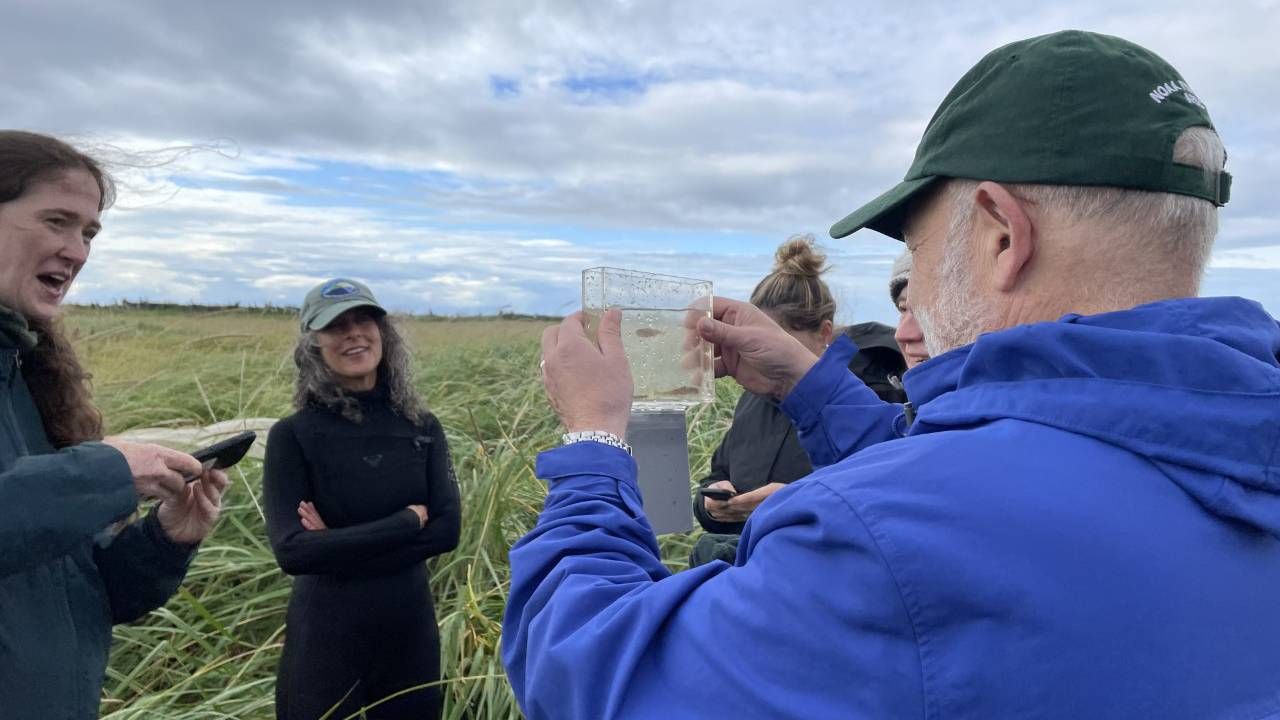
<point x="1179" y="228"/>
<point x="1166" y="234"/>
<point x="317" y="386"/>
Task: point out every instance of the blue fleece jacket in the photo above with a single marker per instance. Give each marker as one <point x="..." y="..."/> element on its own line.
<point x="1083" y="522"/>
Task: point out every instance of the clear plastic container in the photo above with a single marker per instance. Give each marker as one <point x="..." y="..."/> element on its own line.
<point x="671" y="364"/>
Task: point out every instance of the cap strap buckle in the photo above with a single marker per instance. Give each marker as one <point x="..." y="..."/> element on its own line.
<point x="1222" y="188"/>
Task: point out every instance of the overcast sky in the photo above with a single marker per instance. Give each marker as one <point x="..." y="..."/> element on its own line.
<point x="475" y="156"/>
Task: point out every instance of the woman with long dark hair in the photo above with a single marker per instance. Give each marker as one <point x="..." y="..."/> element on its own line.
<point x="359" y="492"/>
<point x="70" y="563"/>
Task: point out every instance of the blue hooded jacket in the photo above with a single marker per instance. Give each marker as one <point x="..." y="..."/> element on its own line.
<point x="1083" y="522"/>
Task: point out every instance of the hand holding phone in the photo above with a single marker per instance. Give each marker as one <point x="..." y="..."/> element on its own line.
<point x="158" y="472"/>
<point x="224" y="454"/>
<point x="714" y="493"/>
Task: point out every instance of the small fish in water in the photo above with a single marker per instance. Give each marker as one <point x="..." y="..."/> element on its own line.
<point x="686" y="390"/>
<point x="648" y="332"/>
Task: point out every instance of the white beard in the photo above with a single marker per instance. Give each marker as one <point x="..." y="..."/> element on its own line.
<point x="957" y="314"/>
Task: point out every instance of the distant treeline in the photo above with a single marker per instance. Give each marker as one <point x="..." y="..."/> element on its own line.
<point x="291" y="310"/>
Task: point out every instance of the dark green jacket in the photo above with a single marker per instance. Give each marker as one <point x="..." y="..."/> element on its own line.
<point x="63" y="581"/>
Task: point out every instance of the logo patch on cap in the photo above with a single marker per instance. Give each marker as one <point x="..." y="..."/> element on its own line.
<point x="1165" y="90"/>
<point x="339" y="288"/>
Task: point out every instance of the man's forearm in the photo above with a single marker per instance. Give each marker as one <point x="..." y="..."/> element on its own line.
<point x="835" y="413"/>
<point x="592" y="529"/>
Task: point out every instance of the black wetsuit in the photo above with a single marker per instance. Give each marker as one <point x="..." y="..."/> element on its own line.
<point x="360" y="623"/>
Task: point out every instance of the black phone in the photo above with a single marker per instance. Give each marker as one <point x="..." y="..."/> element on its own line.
<point x="224" y="453"/>
<point x="716" y="493"/>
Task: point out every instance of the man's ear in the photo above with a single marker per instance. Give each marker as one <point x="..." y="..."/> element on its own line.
<point x="1005" y="235"/>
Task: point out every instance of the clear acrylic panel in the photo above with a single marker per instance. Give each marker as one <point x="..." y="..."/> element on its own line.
<point x="671" y="364"/>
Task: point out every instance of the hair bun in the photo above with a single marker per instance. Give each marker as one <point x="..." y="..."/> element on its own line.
<point x="799" y="256"/>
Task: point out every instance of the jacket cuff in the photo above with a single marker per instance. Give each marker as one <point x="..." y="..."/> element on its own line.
<point x="815" y="390"/>
<point x="592" y="468"/>
<point x="586" y="458"/>
<point x="111" y="470"/>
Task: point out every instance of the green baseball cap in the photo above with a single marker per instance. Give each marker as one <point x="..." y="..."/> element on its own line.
<point x="1071" y="108"/>
<point x="331" y="298"/>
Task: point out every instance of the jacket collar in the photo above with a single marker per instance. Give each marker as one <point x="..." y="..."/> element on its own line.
<point x="14" y="331"/>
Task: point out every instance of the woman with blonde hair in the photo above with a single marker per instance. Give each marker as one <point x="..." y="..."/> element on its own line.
<point x="761" y="453"/>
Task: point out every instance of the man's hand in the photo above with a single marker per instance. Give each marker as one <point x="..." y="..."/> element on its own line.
<point x="189" y="517"/>
<point x="739" y="507"/>
<point x="751" y="347"/>
<point x="589" y="387"/>
<point x="158" y="472"/>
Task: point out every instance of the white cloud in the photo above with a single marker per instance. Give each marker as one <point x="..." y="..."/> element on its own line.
<point x="1258" y="258"/>
<point x="542" y="243"/>
<point x="693" y="122"/>
<point x="290" y="282"/>
<point x="139" y="279"/>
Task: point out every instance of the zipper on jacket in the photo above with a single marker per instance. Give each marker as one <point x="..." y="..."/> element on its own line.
<point x="908" y="410"/>
<point x="13" y="431"/>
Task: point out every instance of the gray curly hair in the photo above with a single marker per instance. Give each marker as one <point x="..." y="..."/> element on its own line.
<point x="318" y="387"/>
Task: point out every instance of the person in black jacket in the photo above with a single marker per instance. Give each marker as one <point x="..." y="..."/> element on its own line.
<point x="359" y="492"/>
<point x="879" y="362"/>
<point x="71" y="562"/>
<point x="760" y="453"/>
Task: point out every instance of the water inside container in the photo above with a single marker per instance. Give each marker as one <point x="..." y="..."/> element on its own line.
<point x="672" y="367"/>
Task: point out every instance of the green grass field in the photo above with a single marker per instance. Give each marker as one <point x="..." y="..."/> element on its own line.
<point x="212" y="651"/>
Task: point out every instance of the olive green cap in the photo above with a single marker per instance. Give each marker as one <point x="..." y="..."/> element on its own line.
<point x="1071" y="108"/>
<point x="331" y="298"/>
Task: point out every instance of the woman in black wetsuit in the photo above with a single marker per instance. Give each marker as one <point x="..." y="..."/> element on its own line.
<point x="359" y="491"/>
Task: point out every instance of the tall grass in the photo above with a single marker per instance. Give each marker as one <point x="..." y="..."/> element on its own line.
<point x="212" y="651"/>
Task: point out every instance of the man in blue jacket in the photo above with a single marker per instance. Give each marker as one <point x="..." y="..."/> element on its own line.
<point x="1082" y="522"/>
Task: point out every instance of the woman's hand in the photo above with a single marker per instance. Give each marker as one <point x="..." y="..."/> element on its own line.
<point x="310" y="517"/>
<point x="311" y="520"/>
<point x="159" y="473"/>
<point x="189" y="516"/>
<point x="739" y="507"/>
<point x="421" y="512"/>
<point x="720" y="509"/>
